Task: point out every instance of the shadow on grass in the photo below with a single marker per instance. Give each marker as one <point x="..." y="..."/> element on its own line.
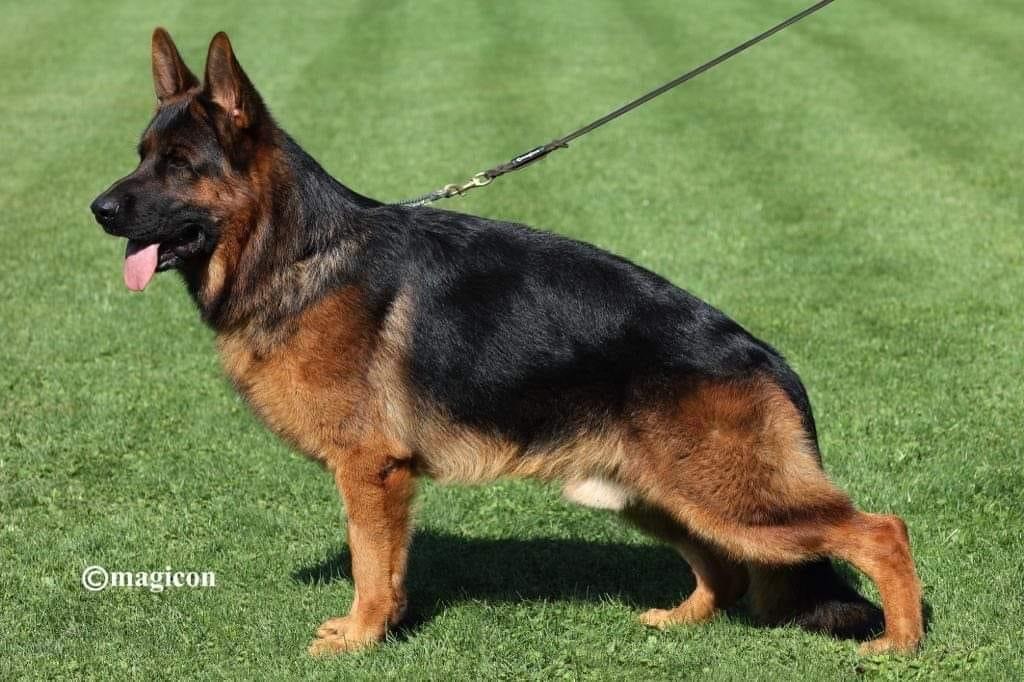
<point x="446" y="569"/>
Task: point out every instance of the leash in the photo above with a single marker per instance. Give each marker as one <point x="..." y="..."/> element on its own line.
<point x="484" y="178"/>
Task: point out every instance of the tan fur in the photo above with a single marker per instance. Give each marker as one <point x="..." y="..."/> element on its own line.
<point x="730" y="456"/>
<point x="453" y="453"/>
<point x="387" y="372"/>
<point x="305" y="389"/>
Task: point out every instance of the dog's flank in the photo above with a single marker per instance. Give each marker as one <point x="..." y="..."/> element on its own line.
<point x="390" y="342"/>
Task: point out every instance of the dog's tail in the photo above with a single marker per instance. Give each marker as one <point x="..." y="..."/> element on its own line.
<point x="815" y="597"/>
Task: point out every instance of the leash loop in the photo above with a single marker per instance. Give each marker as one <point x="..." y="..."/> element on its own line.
<point x="486" y="177"/>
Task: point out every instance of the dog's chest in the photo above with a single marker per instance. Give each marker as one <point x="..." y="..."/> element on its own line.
<point x="309" y="388"/>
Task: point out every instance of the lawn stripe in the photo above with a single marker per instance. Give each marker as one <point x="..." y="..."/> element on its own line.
<point x="991" y="37"/>
<point x="909" y="94"/>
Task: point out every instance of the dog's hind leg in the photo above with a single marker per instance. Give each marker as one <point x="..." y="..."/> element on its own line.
<point x="734" y="465"/>
<point x="377" y="490"/>
<point x="879" y="546"/>
<point x="720" y="580"/>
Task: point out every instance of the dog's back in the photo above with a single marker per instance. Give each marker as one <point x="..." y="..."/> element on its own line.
<point x="533" y="336"/>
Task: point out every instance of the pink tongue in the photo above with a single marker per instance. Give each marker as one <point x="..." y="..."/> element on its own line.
<point x="139" y="264"/>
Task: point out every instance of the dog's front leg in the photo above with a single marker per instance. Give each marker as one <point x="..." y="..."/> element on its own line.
<point x="377" y="490"/>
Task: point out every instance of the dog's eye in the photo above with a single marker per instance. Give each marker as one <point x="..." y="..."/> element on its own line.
<point x="177" y="162"/>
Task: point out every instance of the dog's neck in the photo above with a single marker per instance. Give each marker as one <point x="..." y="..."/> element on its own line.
<point x="296" y="241"/>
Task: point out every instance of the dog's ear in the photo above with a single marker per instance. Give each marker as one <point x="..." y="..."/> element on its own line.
<point x="170" y="75"/>
<point x="228" y="86"/>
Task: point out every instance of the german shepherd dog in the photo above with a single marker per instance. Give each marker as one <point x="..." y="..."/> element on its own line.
<point x="391" y="342"/>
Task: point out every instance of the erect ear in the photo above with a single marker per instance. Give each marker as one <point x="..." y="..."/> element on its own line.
<point x="170" y="75"/>
<point x="228" y="86"/>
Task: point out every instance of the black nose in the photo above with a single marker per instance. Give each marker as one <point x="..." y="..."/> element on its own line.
<point x="105" y="208"/>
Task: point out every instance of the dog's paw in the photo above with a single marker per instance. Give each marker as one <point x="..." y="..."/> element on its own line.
<point x="339" y="635"/>
<point x="656" y="618"/>
<point x="888" y="645"/>
<point x="690" y="612"/>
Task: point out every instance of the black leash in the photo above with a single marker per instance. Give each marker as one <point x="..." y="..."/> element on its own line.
<point x="486" y="177"/>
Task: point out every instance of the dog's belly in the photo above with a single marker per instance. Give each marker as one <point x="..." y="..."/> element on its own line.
<point x="452" y="452"/>
<point x="597" y="493"/>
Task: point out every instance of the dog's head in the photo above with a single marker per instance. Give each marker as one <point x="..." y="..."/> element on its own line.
<point x="196" y="161"/>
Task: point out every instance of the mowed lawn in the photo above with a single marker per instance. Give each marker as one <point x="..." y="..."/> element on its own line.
<point x="849" y="191"/>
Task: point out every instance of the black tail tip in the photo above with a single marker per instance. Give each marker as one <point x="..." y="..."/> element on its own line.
<point x="858" y="619"/>
<point x="815" y="597"/>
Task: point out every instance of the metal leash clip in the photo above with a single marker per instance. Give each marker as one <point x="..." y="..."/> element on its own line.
<point x="481" y="179"/>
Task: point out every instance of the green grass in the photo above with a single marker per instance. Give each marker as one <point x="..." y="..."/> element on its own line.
<point x="850" y="191"/>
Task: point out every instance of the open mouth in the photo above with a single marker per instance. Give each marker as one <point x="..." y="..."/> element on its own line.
<point x="142" y="260"/>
